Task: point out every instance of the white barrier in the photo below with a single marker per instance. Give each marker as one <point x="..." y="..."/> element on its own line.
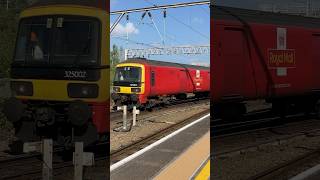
<point x="46" y="148"/>
<point x="80" y="158"/>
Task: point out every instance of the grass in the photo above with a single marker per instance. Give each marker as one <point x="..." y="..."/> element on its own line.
<point x="4" y="123"/>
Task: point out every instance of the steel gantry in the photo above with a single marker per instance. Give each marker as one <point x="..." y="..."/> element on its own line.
<point x="175" y="50"/>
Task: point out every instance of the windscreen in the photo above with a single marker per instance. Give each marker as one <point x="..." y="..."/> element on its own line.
<point x="61" y="40"/>
<point x="128" y="74"/>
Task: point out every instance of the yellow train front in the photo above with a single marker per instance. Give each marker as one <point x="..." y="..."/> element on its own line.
<point x="129" y="85"/>
<point x="60" y="73"/>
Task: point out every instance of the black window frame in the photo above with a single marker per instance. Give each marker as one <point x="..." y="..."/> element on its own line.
<point x="51" y="50"/>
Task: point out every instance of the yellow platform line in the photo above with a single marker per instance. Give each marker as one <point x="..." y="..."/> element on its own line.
<point x="189" y="162"/>
<point x="204" y="173"/>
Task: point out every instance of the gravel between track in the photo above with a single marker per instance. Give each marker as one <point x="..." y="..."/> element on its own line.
<point x="157" y="122"/>
<point x="245" y="164"/>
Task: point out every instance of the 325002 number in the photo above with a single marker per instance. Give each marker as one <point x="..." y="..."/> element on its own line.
<point x="75" y="74"/>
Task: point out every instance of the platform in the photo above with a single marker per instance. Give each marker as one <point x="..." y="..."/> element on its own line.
<point x="183" y="155"/>
<point x="310" y="174"/>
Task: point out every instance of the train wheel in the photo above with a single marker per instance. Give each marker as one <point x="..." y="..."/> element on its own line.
<point x="317" y="109"/>
<point x="280" y="109"/>
<point x="230" y="111"/>
<point x="25" y="131"/>
<point x="88" y="135"/>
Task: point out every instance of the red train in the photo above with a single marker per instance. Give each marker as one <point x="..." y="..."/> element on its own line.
<point x="261" y="55"/>
<point x="145" y="82"/>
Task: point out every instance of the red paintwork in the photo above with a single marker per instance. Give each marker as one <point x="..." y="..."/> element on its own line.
<point x="239" y="71"/>
<point x="173" y="80"/>
<point x="100" y="116"/>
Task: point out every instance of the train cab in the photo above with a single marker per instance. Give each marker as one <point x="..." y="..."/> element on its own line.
<point x="128" y="83"/>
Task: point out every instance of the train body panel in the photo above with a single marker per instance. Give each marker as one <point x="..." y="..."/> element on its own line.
<point x="263" y="55"/>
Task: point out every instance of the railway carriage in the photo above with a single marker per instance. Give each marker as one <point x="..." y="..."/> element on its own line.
<point x="60" y="73"/>
<point x="263" y="55"/>
<point x="146" y="83"/>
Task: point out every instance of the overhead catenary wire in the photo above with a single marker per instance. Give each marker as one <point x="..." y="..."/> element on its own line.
<point x="138" y="43"/>
<point x="181" y="22"/>
<point x="146" y="11"/>
<point x="178" y="5"/>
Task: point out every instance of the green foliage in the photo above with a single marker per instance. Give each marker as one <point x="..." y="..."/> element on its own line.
<point x="8" y="29"/>
<point x="114" y="59"/>
<point x="4" y="123"/>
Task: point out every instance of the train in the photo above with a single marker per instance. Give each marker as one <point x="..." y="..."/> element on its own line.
<point x="263" y="55"/>
<point x="145" y="83"/>
<point x="60" y="73"/>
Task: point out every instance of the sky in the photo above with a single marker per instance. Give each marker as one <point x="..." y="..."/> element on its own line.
<point x="188" y="26"/>
<point x="257" y="4"/>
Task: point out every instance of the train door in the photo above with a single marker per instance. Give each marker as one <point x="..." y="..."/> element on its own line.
<point x="316" y="59"/>
<point x="183" y="76"/>
<point x="233" y="56"/>
<point x="152" y="80"/>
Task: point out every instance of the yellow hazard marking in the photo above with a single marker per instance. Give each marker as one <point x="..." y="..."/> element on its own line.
<point x="204" y="174"/>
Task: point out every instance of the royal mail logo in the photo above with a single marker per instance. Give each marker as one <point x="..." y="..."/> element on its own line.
<point x="281" y="58"/>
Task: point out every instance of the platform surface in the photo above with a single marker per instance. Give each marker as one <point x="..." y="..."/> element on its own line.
<point x="154" y="162"/>
<point x="310" y="174"/>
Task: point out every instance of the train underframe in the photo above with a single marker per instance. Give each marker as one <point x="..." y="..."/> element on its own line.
<point x="281" y="106"/>
<point x="64" y="122"/>
<point x="147" y="103"/>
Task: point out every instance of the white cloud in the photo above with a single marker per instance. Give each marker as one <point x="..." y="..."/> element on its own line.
<point x="113" y="3"/>
<point x="201" y="64"/>
<point x="197" y="20"/>
<point x="121" y="30"/>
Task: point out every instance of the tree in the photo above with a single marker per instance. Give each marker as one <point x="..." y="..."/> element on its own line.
<point x="8" y="29"/>
<point x="114" y="59"/>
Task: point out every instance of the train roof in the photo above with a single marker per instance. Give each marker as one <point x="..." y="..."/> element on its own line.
<point x="162" y="63"/>
<point x="102" y="4"/>
<point x="255" y="16"/>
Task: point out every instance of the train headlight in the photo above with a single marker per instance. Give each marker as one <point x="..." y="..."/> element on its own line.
<point x="83" y="90"/>
<point x="21" y="88"/>
<point x="116" y="89"/>
<point x="136" y="90"/>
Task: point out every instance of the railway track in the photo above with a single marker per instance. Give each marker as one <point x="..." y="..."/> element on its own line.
<point x="256" y="120"/>
<point x="172" y="104"/>
<point x="272" y="141"/>
<point x="116" y="123"/>
<point x="242" y="144"/>
<point x="29" y="166"/>
<point x="276" y="171"/>
<point x="119" y="154"/>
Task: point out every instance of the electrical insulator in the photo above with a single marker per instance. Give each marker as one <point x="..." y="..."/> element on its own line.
<point x="143" y="15"/>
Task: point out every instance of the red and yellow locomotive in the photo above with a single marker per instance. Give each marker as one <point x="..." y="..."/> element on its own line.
<point x="145" y="82"/>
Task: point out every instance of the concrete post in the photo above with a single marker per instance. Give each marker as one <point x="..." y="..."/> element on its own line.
<point x="81" y="159"/>
<point x="47" y="159"/>
<point x="124" y="117"/>
<point x="135" y="112"/>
